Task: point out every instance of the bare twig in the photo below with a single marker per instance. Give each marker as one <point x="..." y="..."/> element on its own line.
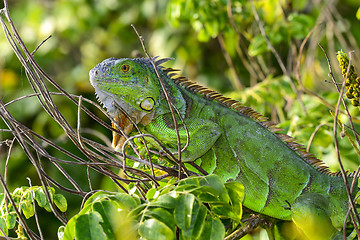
<point x="343" y="173"/>
<point x="34" y="205"/>
<point x="313" y="135"/>
<point x="167" y="99"/>
<point x="96" y="156"/>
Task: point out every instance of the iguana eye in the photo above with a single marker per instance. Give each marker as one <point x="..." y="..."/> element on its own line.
<point x="147" y="104"/>
<point x="125" y="68"/>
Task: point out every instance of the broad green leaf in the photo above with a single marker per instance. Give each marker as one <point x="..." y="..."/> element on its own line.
<point x="122" y="200"/>
<point x="98" y="196"/>
<point x="60" y="202"/>
<point x="164" y="201"/>
<point x="61" y="232"/>
<point x="236" y="193"/>
<point x="3" y="227"/>
<point x="138" y="210"/>
<point x="189" y="181"/>
<point x="183" y="210"/>
<point x="299" y="25"/>
<point x="27" y="209"/>
<point x="69" y="232"/>
<point x="225" y="210"/>
<point x="257" y="46"/>
<point x="213" y="230"/>
<point x="163" y="216"/>
<point x="88" y="227"/>
<point x="151" y="193"/>
<point x="189" y="216"/>
<point x="40" y="197"/>
<point x="206" y="194"/>
<point x="10" y="221"/>
<point x="105" y="209"/>
<point x="47" y="206"/>
<point x="198" y="216"/>
<point x="215" y="182"/>
<point x="153" y="229"/>
<point x="127" y="202"/>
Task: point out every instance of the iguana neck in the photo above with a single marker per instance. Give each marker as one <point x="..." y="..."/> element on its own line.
<point x="174" y="94"/>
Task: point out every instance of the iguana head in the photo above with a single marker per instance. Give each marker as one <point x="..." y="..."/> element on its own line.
<point x="125" y="83"/>
<point x="130" y="86"/>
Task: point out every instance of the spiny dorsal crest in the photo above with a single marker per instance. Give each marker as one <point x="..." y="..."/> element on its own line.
<point x="247" y="111"/>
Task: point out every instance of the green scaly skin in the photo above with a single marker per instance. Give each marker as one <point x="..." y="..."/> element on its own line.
<point x="229" y="140"/>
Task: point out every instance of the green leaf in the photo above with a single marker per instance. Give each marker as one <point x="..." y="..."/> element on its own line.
<point x="189" y="181"/>
<point x="213" y="230"/>
<point x="163" y="216"/>
<point x="88" y="227"/>
<point x="10" y="221"/>
<point x="257" y="46"/>
<point x="3" y="227"/>
<point x="61" y="232"/>
<point x="183" y="210"/>
<point x="164" y="201"/>
<point x="151" y="193"/>
<point x="136" y="211"/>
<point x="98" y="196"/>
<point x="40" y="197"/>
<point x="215" y="182"/>
<point x="153" y="229"/>
<point x="299" y="25"/>
<point x="206" y="194"/>
<point x="225" y="211"/>
<point x="69" y="232"/>
<point x="236" y="192"/>
<point x="27" y="209"/>
<point x="105" y="209"/>
<point x="189" y="216"/>
<point x="127" y="202"/>
<point x="60" y="202"/>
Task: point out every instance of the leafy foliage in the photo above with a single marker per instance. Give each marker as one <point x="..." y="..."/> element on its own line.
<point x="24" y="198"/>
<point x="195" y="207"/>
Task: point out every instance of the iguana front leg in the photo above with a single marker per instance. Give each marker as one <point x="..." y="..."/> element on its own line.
<point x="202" y="135"/>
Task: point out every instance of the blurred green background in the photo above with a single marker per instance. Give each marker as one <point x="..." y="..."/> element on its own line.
<point x="215" y="42"/>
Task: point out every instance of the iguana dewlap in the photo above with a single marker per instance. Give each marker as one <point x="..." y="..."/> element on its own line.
<point x="281" y="180"/>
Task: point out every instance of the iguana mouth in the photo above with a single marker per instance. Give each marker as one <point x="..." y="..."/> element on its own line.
<point x="116" y="108"/>
<point x="127" y="125"/>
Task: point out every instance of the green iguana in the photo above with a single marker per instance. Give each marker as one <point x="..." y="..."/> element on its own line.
<point x="281" y="180"/>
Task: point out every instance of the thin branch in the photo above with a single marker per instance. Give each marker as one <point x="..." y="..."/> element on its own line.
<point x="167" y="99"/>
<point x="34" y="205"/>
<point x="343" y="173"/>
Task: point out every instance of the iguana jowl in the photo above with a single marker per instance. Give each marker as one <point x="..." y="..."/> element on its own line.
<point x="281" y="180"/>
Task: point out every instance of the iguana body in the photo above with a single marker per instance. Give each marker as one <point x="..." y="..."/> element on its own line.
<point x="281" y="180"/>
